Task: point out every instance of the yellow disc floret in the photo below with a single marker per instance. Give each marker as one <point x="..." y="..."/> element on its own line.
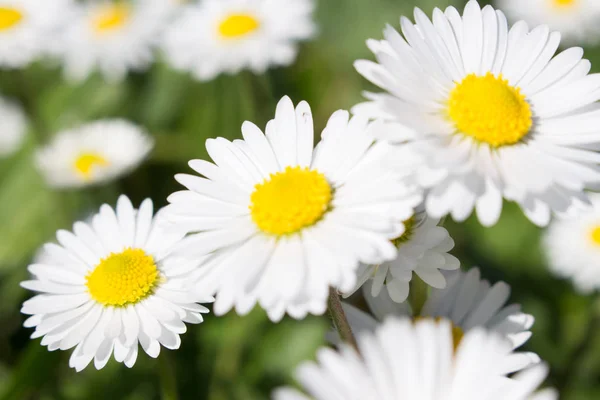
<point x="123" y="278"/>
<point x="86" y="162"/>
<point x="595" y="235"/>
<point x="409" y="226"/>
<point x="238" y="25"/>
<point x="111" y="17"/>
<point x="564" y="3"/>
<point x="9" y="17"/>
<point x="489" y="110"/>
<point x="290" y="200"/>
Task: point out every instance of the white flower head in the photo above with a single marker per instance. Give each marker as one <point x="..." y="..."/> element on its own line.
<point x="468" y="302"/>
<point x="487" y="112"/>
<point x="111" y="284"/>
<point x="407" y="361"/>
<point x="226" y="36"/>
<point x="577" y="20"/>
<point x="280" y="221"/>
<point x="572" y="246"/>
<point x="13" y="128"/>
<point x="26" y="29"/>
<point x="93" y="153"/>
<point x="422" y="249"/>
<point x="111" y="37"/>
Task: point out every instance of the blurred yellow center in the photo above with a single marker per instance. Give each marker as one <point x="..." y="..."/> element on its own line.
<point x="237" y="25"/>
<point x="595" y="235"/>
<point x="9" y="17"/>
<point x="489" y="110"/>
<point x="457" y="332"/>
<point x="86" y="162"/>
<point x="290" y="200"/>
<point x="123" y="278"/>
<point x="409" y="224"/>
<point x="111" y="17"/>
<point x="563" y="3"/>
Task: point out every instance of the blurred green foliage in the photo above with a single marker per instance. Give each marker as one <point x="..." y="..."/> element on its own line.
<point x="233" y="357"/>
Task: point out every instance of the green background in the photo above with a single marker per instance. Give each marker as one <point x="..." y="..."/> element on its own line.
<point x="233" y="357"/>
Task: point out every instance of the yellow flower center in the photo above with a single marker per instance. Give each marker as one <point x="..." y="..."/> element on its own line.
<point x="123" y="278"/>
<point x="595" y="235"/>
<point x="409" y="225"/>
<point x="237" y="25"/>
<point x="111" y="17"/>
<point x="489" y="110"/>
<point x="9" y="17"/>
<point x="290" y="200"/>
<point x="457" y="332"/>
<point x="564" y="3"/>
<point x="86" y="162"/>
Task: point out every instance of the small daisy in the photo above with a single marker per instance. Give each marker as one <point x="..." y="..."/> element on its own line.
<point x="407" y="361"/>
<point x="468" y="302"/>
<point x="576" y="20"/>
<point x="112" y="37"/>
<point x="93" y="153"/>
<point x="279" y="222"/>
<point x="25" y="28"/>
<point x="573" y="247"/>
<point x="488" y="112"/>
<point x="423" y="249"/>
<point x="226" y="36"/>
<point x="13" y="129"/>
<point x="110" y="285"/>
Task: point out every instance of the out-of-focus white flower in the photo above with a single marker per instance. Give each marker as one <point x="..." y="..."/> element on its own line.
<point x="12" y="128"/>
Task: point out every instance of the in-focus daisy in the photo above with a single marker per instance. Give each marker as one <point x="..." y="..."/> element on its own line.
<point x="576" y="20"/>
<point x="572" y="246"/>
<point x="13" y="127"/>
<point x="485" y="112"/>
<point x="423" y="249"/>
<point x="93" y="153"/>
<point x="226" y="36"/>
<point x="112" y="37"/>
<point x="468" y="302"/>
<point x="111" y="284"/>
<point x="26" y="27"/>
<point x="407" y="361"/>
<point x="279" y="221"/>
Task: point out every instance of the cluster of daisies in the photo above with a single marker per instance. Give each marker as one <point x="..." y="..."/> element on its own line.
<point x="471" y="112"/>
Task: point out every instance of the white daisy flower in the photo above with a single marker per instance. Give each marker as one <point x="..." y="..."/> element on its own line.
<point x="226" y="36"/>
<point x="14" y="127"/>
<point x="576" y="20"/>
<point x="280" y="222"/>
<point x="487" y="112"/>
<point x="94" y="153"/>
<point x="112" y="284"/>
<point x="423" y="249"/>
<point x="407" y="361"/>
<point x="572" y="247"/>
<point x="25" y="28"/>
<point x="468" y="302"/>
<point x="112" y="37"/>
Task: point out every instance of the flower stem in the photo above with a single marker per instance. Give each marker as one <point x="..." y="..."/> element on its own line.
<point x="339" y="319"/>
<point x="168" y="381"/>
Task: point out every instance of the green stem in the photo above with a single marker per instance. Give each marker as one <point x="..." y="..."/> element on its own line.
<point x="338" y="316"/>
<point x="168" y="382"/>
<point x="419" y="291"/>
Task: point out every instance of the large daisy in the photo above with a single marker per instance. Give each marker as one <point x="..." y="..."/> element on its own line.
<point x="94" y="153"/>
<point x="13" y="128"/>
<point x="576" y="20"/>
<point x="572" y="247"/>
<point x="111" y="37"/>
<point x="485" y="112"/>
<point x="422" y="249"/>
<point x="278" y="222"/>
<point x="226" y="36"/>
<point x="407" y="361"/>
<point x="111" y="284"/>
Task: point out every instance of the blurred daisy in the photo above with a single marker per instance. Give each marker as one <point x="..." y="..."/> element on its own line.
<point x="112" y="37"/>
<point x="13" y="129"/>
<point x="487" y="112"/>
<point x="468" y="302"/>
<point x="110" y="285"/>
<point x="573" y="248"/>
<point x="407" y="361"/>
<point x="25" y="28"/>
<point x="226" y="36"/>
<point x="286" y="220"/>
<point x="577" y="20"/>
<point x="93" y="153"/>
<point x="423" y="249"/>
